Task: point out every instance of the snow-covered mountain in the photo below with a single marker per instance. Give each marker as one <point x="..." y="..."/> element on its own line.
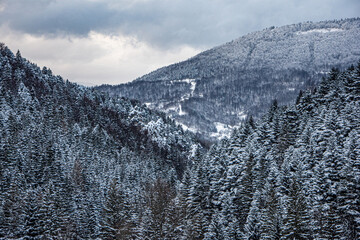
<point x="216" y="90"/>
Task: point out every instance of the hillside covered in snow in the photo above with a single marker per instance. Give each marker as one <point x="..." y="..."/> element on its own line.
<point x="64" y="149"/>
<point x="218" y="89"/>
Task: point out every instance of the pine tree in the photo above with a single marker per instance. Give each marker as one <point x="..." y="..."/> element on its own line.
<point x="216" y="228"/>
<point x="115" y="214"/>
<point x="198" y="202"/>
<point x="7" y="78"/>
<point x="227" y="218"/>
<point x="271" y="219"/>
<point x="13" y="209"/>
<point x="243" y="192"/>
<point x="349" y="197"/>
<point x="183" y="204"/>
<point x="33" y="216"/>
<point x="158" y="200"/>
<point x="297" y="219"/>
<point x="328" y="83"/>
<point x="352" y="84"/>
<point x="288" y="132"/>
<point x="174" y="222"/>
<point x="252" y="226"/>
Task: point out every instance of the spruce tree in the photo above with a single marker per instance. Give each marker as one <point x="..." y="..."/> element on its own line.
<point x="297" y="219"/>
<point x="115" y="213"/>
<point x="271" y="218"/>
<point x="252" y="226"/>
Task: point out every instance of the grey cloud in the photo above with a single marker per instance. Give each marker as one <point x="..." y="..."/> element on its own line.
<point x="164" y="23"/>
<point x="50" y="17"/>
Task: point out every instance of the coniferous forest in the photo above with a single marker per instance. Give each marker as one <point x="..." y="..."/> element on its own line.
<point x="294" y="174"/>
<point x="78" y="164"/>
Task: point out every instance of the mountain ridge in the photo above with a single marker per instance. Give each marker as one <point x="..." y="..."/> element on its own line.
<point x="305" y="28"/>
<point x="242" y="77"/>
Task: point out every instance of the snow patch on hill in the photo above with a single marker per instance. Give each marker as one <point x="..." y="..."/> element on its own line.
<point x="186" y="128"/>
<point x="321" y="30"/>
<point x="222" y="130"/>
<point x="242" y="115"/>
<point x="181" y="112"/>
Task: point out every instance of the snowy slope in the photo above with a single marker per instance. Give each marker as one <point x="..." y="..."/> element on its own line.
<point x="226" y="84"/>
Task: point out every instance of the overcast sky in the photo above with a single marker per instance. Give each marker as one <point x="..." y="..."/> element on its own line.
<point x="115" y="41"/>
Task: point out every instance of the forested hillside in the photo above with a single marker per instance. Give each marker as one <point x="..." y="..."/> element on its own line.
<point x="67" y="152"/>
<point x="216" y="90"/>
<point x="294" y="174"/>
<point x="77" y="164"/>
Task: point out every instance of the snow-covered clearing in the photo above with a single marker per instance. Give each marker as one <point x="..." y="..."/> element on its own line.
<point x="320" y="30"/>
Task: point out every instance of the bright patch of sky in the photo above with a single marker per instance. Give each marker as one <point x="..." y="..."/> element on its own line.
<point x="96" y="58"/>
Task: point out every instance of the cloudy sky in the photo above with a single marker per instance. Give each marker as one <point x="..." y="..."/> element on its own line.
<point x="114" y="41"/>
